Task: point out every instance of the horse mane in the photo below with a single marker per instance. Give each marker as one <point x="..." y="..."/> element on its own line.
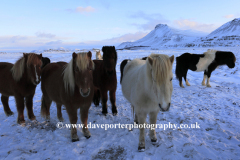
<point x="210" y="52"/>
<point x="82" y="64"/>
<point x="161" y="67"/>
<point x="18" y="67"/>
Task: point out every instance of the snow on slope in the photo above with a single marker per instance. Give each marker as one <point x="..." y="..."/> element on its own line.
<point x="164" y="35"/>
<point x="216" y="109"/>
<point x="228" y="29"/>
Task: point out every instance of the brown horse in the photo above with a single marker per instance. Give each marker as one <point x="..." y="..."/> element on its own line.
<point x="70" y="85"/>
<point x="105" y="79"/>
<point x="20" y="80"/>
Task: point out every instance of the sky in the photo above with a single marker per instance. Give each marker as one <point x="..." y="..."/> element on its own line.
<point x="38" y="24"/>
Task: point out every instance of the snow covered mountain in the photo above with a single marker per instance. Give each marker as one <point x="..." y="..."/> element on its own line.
<point x="165" y="36"/>
<point x="231" y="28"/>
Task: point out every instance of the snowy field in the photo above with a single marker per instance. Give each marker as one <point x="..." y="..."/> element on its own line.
<point x="215" y="109"/>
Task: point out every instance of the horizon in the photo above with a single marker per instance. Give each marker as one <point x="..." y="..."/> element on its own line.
<point x="34" y="25"/>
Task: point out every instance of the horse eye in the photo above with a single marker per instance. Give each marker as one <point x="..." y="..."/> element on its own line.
<point x="90" y="69"/>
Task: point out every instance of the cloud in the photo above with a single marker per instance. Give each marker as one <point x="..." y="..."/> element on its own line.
<point x="128" y="37"/>
<point x="82" y="10"/>
<point x="229" y="16"/>
<point x="45" y="35"/>
<point x="117" y="40"/>
<point x="54" y="42"/>
<point x="189" y="24"/>
<point x="152" y="20"/>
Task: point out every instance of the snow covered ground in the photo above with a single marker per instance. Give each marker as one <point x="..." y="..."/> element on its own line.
<point x="215" y="109"/>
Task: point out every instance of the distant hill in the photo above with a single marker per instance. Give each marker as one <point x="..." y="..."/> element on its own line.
<point x="165" y="36"/>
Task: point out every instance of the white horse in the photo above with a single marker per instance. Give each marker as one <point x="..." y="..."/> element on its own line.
<point x="147" y="85"/>
<point x="98" y="55"/>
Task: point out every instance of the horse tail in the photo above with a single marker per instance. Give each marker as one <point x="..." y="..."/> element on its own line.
<point x="178" y="70"/>
<point x="44" y="108"/>
<point x="123" y="64"/>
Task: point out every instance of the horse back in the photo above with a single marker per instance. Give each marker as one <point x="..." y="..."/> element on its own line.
<point x="6" y="79"/>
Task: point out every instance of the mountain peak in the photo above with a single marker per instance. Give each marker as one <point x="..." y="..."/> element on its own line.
<point x="160" y="26"/>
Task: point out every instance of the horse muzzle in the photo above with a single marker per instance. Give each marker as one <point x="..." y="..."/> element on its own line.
<point x="84" y="94"/>
<point x="162" y="109"/>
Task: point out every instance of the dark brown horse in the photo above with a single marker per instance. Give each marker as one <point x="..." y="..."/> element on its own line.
<point x="70" y="85"/>
<point x="20" y="80"/>
<point x="105" y="79"/>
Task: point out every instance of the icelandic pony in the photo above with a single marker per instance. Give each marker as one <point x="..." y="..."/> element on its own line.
<point x="98" y="55"/>
<point x="147" y="85"/>
<point x="69" y="84"/>
<point x="45" y="61"/>
<point x="207" y="62"/>
<point x="105" y="79"/>
<point x="20" y="80"/>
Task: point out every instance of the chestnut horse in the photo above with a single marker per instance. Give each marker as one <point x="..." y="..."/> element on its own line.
<point x="105" y="79"/>
<point x="70" y="85"/>
<point x="20" y="80"/>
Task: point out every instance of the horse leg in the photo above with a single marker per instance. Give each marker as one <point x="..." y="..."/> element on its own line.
<point x="104" y="97"/>
<point x="20" y="108"/>
<point x="185" y="78"/>
<point x="72" y="114"/>
<point x="29" y="106"/>
<point x="153" y="120"/>
<point x="84" y="119"/>
<point x="208" y="79"/>
<point x="204" y="78"/>
<point x="211" y="68"/>
<point x="45" y="107"/>
<point x="96" y="97"/>
<point x="7" y="110"/>
<point x="141" y="120"/>
<point x="136" y="119"/>
<point x="112" y="95"/>
<point x="59" y="112"/>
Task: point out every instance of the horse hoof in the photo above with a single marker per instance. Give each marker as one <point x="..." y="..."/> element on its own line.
<point x="141" y="149"/>
<point x="61" y="119"/>
<point x="74" y="140"/>
<point x="21" y="121"/>
<point x="209" y="85"/>
<point x="32" y="118"/>
<point x="114" y="114"/>
<point x="154" y="141"/>
<point x="105" y="112"/>
<point x="9" y="113"/>
<point x="87" y="137"/>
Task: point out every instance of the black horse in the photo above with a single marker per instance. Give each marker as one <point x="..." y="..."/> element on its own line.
<point x="45" y="61"/>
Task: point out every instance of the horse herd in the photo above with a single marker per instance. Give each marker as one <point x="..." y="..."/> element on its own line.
<point x="146" y="84"/>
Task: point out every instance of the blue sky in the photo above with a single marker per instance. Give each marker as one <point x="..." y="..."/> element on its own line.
<point x="38" y="24"/>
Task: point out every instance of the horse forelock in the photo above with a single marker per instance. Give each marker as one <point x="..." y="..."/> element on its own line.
<point x="33" y="59"/>
<point x="82" y="63"/>
<point x="161" y="68"/>
<point x="19" y="66"/>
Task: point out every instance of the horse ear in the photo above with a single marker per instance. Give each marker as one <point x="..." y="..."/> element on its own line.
<point x="89" y="54"/>
<point x="114" y="47"/>
<point x="40" y="56"/>
<point x="171" y="59"/>
<point x="103" y="49"/>
<point x="74" y="55"/>
<point x="25" y="55"/>
<point x="150" y="60"/>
